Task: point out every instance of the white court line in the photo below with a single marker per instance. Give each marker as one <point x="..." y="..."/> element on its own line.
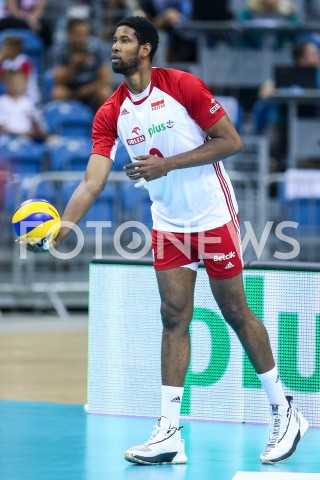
<point x="275" y="476"/>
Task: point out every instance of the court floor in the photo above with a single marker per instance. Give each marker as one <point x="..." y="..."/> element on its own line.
<point x="47" y="441"/>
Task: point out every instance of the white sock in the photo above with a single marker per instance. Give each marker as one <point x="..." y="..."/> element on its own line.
<point x="171" y="403"/>
<point x="273" y="387"/>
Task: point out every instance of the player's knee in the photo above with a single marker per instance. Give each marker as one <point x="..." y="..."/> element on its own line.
<point x="234" y="315"/>
<point x="175" y="317"/>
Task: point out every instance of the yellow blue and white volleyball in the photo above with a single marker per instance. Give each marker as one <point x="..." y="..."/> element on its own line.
<point x="36" y="220"/>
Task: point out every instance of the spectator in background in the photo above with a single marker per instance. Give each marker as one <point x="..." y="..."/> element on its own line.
<point x="117" y="9"/>
<point x="81" y="66"/>
<point x="167" y="15"/>
<point x="13" y="58"/>
<point x="26" y="14"/>
<point x="270" y="119"/>
<point x="258" y="12"/>
<point x="19" y="115"/>
<point x="306" y="54"/>
<point x="217" y="12"/>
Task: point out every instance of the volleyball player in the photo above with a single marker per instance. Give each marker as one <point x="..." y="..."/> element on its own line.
<point x="176" y="134"/>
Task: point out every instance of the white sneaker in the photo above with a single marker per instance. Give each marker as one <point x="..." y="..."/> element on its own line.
<point x="287" y="427"/>
<point x="165" y="446"/>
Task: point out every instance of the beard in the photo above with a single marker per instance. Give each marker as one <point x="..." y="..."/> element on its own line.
<point x="127" y="69"/>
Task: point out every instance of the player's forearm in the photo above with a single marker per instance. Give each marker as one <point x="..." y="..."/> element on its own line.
<point x="80" y="202"/>
<point x="212" y="151"/>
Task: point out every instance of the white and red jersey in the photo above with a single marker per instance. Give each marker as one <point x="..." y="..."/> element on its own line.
<point x="18" y="115"/>
<point x="173" y="118"/>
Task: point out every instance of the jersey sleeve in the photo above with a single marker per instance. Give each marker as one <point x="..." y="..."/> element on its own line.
<point x="104" y="131"/>
<point x="199" y="101"/>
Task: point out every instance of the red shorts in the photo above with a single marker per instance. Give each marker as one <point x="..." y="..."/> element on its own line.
<point x="219" y="249"/>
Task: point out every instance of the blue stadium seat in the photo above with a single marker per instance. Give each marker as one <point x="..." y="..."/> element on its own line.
<point x="306" y="212"/>
<point x="104" y="208"/>
<point x="70" y="153"/>
<point x="47" y="190"/>
<point x="303" y="210"/>
<point x="68" y="118"/>
<point x="23" y="156"/>
<point x="264" y="113"/>
<point x="9" y="200"/>
<point x="47" y="85"/>
<point x="7" y="191"/>
<point x="33" y="45"/>
<point x="135" y="203"/>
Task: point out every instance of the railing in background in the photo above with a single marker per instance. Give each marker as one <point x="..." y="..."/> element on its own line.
<point x="41" y="281"/>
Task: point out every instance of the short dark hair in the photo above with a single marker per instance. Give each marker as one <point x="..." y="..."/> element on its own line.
<point x="145" y="31"/>
<point x="73" y="22"/>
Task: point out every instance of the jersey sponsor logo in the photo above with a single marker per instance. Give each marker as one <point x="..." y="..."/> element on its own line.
<point x="136" y="130"/>
<point x="228" y="256"/>
<point x="136" y="140"/>
<point x="215" y="107"/>
<point x="124" y="112"/>
<point x="161" y="127"/>
<point x="157" y="103"/>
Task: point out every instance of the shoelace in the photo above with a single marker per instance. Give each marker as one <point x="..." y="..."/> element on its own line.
<point x="159" y="432"/>
<point x="277" y="429"/>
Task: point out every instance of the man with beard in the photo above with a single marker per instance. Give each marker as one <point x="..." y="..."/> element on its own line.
<point x="176" y="134"/>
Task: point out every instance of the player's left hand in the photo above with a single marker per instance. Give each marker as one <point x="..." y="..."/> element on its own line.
<point x="147" y="167"/>
<point x="35" y="247"/>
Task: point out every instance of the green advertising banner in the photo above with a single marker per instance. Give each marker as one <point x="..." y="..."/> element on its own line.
<point x="221" y="385"/>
